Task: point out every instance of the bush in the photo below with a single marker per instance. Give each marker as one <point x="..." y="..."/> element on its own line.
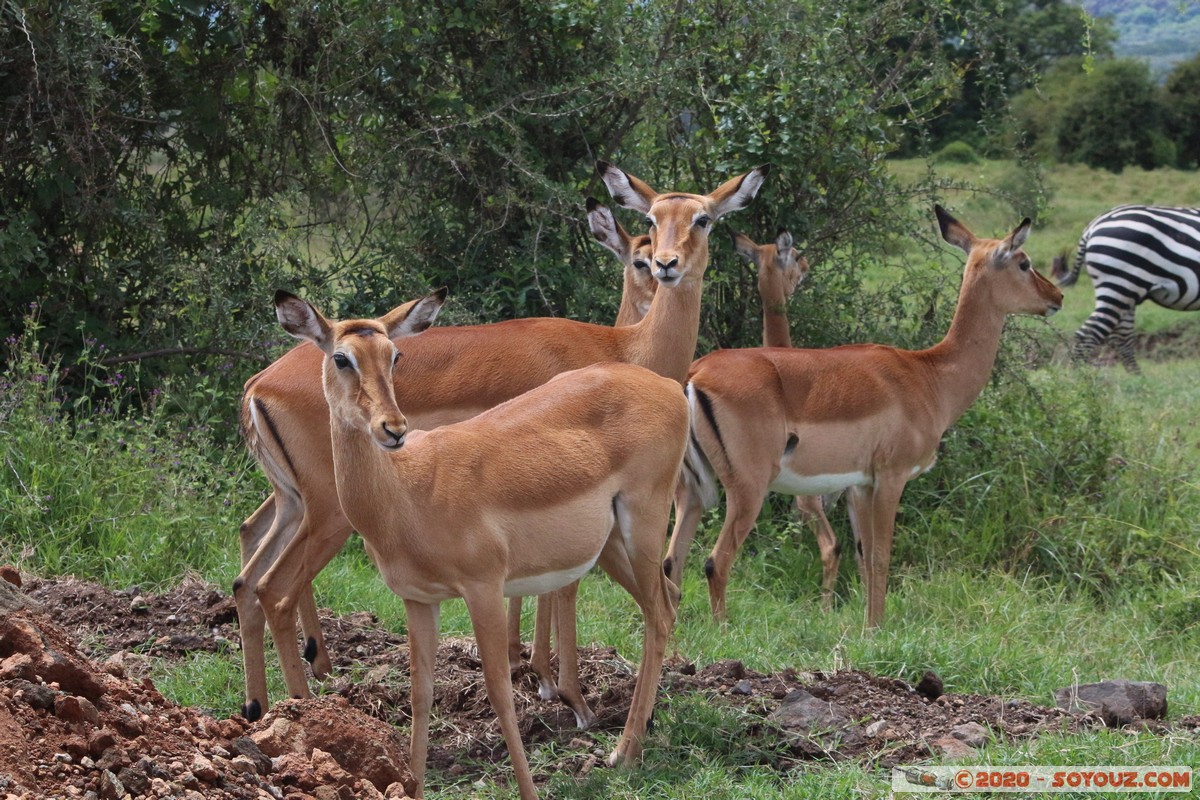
<point x="105" y="487"/>
<point x="1033" y="457"/>
<point x="956" y="152"/>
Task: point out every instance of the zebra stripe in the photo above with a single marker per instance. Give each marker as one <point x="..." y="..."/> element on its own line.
<point x="1133" y="254"/>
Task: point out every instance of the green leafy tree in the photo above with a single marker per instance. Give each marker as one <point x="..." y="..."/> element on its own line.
<point x="1113" y="118"/>
<point x="1182" y="99"/>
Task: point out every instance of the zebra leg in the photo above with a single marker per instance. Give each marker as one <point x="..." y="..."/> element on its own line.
<point x="1111" y="307"/>
<point x="1124" y="339"/>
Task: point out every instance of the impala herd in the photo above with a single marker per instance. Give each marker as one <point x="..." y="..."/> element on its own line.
<point x="506" y="460"/>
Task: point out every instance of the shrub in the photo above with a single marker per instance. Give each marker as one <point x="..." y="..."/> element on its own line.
<point x="107" y="488"/>
<point x="956" y="152"/>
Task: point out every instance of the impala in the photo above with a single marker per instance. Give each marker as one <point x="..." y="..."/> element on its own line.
<point x="863" y="418"/>
<point x="781" y="270"/>
<point x="452" y="374"/>
<point x="522" y="499"/>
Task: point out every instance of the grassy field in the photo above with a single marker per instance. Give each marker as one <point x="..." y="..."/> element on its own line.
<point x="996" y="629"/>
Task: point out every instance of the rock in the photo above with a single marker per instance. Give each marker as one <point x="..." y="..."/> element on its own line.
<point x="820" y="720"/>
<point x="1117" y="702"/>
<point x="395" y="791"/>
<point x="246" y="747"/>
<point x="742" y="687"/>
<point x="135" y="780"/>
<point x="951" y="747"/>
<point x="930" y="685"/>
<point x="110" y="786"/>
<point x="18" y="666"/>
<point x="282" y="736"/>
<point x="971" y="734"/>
<point x="327" y="768"/>
<point x="876" y="728"/>
<point x="100" y="741"/>
<point x="11" y="575"/>
<point x="71" y="708"/>
<point x="203" y="769"/>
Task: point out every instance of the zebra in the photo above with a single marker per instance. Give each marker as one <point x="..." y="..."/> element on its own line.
<point x="1134" y="253"/>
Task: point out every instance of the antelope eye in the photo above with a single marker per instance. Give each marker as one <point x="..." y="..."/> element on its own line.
<point x="395" y="357"/>
<point x="340" y="361"/>
<point x="640" y="264"/>
<point x="702" y="221"/>
<point x="1024" y="265"/>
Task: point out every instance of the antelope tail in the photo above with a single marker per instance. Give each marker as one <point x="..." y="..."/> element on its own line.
<point x="698" y="473"/>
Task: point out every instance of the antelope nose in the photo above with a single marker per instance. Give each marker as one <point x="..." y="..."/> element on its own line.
<point x="397" y="431"/>
<point x="671" y="264"/>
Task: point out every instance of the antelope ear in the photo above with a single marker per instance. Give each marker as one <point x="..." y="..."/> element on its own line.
<point x="1011" y="244"/>
<point x="783" y="242"/>
<point x="953" y="231"/>
<point x="606" y="230"/>
<point x="414" y="316"/>
<point x="626" y="190"/>
<point x="736" y="193"/>
<point x="300" y="319"/>
<point x="744" y="246"/>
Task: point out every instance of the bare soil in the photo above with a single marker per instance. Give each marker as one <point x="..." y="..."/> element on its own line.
<point x="78" y="717"/>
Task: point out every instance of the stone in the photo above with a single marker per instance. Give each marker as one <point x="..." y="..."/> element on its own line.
<point x="1117" y="702"/>
<point x="110" y="786"/>
<point x="951" y="747"/>
<point x="971" y="734"/>
<point x="18" y="666"/>
<point x="72" y="708"/>
<point x="11" y="575"/>
<point x="876" y="728"/>
<point x="246" y="747"/>
<point x="280" y="737"/>
<point x="823" y="724"/>
<point x="203" y="769"/>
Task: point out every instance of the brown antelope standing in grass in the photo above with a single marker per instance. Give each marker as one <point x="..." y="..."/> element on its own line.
<point x="781" y="270"/>
<point x="637" y="293"/>
<point x="521" y="499"/>
<point x="864" y="418"/>
<point x="452" y="374"/>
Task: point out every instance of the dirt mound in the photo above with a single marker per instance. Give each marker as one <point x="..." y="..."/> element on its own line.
<point x="77" y="714"/>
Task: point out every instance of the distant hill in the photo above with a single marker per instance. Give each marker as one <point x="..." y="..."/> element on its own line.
<point x="1161" y="32"/>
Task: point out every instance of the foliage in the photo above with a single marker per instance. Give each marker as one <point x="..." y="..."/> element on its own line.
<point x="93" y="487"/>
<point x="1001" y="48"/>
<point x="1181" y="94"/>
<point x="956" y="152"/>
<point x="1111" y="117"/>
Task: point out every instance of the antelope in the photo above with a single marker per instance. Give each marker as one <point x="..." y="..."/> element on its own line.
<point x="452" y="374"/>
<point x="522" y="499"/>
<point x="781" y="270"/>
<point x="863" y="418"/>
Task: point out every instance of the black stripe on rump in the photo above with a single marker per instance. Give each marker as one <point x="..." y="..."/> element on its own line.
<point x="707" y="407"/>
<point x="261" y="408"/>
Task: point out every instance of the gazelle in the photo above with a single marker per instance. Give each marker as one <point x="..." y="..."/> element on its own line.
<point x="522" y="499"/>
<point x="452" y="374"/>
<point x="865" y="418"/>
<point x="781" y="270"/>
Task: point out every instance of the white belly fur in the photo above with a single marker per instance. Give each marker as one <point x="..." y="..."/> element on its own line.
<point x="788" y="482"/>
<point x="533" y="585"/>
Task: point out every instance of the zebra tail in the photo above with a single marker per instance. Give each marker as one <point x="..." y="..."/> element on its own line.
<point x="698" y="475"/>
<point x="1069" y="278"/>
